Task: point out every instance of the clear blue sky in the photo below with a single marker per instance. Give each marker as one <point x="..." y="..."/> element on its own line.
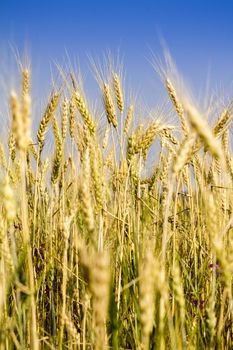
<point x="198" y="33"/>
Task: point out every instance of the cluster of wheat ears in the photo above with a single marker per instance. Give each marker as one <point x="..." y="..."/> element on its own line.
<point x="101" y="250"/>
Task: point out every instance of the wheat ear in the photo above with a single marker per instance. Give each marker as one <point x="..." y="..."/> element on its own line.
<point x="178" y="106"/>
<point x="203" y="131"/>
<point x="109" y="106"/>
<point x="118" y="92"/>
<point x="83" y="110"/>
<point x="52" y="105"/>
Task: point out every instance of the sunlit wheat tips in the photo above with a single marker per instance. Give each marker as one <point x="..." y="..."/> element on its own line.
<point x="106" y="137"/>
<point x="177" y="104"/>
<point x="118" y="92"/>
<point x="72" y="116"/>
<point x="166" y="133"/>
<point x="51" y="107"/>
<point x="97" y="176"/>
<point x="86" y="195"/>
<point x="222" y="122"/>
<point x="129" y="118"/>
<point x="183" y="153"/>
<point x="26" y="106"/>
<point x="17" y="122"/>
<point x="83" y="110"/>
<point x="109" y="106"/>
<point x="58" y="153"/>
<point x="144" y="141"/>
<point x="12" y="146"/>
<point x="64" y="112"/>
<point x="200" y="126"/>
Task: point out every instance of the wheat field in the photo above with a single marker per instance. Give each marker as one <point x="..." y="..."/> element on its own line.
<point x="116" y="233"/>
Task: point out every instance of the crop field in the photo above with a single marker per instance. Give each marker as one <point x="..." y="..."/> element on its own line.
<point x="116" y="222"/>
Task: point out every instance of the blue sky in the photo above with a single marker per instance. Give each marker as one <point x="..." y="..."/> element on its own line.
<point x="198" y="34"/>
